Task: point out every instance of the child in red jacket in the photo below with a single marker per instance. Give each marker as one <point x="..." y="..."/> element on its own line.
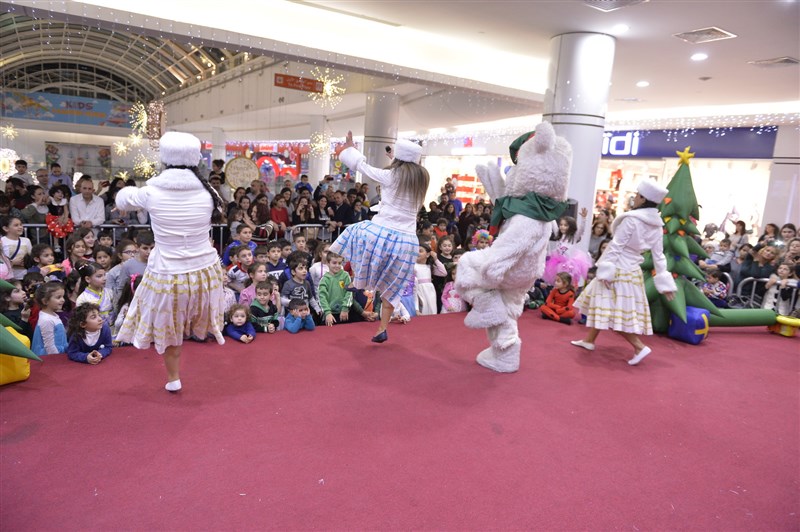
<point x="558" y="306"/>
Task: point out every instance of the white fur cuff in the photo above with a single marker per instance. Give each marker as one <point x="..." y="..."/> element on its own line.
<point x="606" y="271"/>
<point x="664" y="282"/>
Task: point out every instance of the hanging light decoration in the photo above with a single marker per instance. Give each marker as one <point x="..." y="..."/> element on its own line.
<point x="331" y="94"/>
<point x="156" y="118"/>
<point x="120" y="148"/>
<point x="138" y="114"/>
<point x="9" y="132"/>
<point x="144" y="166"/>
<point x="122" y="174"/>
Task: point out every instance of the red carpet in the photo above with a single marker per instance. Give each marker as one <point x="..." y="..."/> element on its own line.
<point x="325" y="430"/>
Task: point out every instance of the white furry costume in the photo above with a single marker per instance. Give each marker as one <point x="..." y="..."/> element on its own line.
<point x="495" y="280"/>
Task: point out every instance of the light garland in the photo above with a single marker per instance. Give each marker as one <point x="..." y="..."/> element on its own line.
<point x="156" y="118"/>
<point x="331" y="94"/>
<point x="135" y="139"/>
<point x="320" y="143"/>
<point x="9" y="132"/>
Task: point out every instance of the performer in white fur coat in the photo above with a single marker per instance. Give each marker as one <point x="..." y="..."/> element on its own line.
<point x="495" y="280"/>
<point x="616" y="299"/>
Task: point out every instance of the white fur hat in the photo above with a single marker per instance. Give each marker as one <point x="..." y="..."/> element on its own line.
<point x="652" y="190"/>
<point x="405" y="150"/>
<point x="179" y="149"/>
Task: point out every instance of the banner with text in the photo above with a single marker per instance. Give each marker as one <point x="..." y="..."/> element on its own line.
<point x="58" y="108"/>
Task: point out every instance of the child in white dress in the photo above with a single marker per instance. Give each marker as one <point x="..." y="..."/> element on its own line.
<point x="426" y="267"/>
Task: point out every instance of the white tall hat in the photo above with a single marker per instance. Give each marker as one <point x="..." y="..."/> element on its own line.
<point x="652" y="190"/>
<point x="405" y="150"/>
<point x="179" y="149"/>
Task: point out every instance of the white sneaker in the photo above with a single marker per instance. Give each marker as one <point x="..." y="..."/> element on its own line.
<point x="173" y="386"/>
<point x="639" y="356"/>
<point x="586" y="345"/>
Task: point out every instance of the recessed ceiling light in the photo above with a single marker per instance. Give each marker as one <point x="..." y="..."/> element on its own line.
<point x="619" y="29"/>
<point x="699" y="56"/>
<point x="643" y="84"/>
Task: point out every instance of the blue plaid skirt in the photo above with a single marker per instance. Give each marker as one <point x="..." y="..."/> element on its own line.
<point x="381" y="258"/>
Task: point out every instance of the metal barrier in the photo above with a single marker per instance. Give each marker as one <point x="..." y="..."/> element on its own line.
<point x="219" y="233"/>
<point x="748" y="294"/>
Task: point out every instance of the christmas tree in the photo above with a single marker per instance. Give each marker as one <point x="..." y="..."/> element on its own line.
<point x="680" y="212"/>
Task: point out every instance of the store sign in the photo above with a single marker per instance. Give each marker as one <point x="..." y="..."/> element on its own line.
<point x="718" y="143"/>
<point x="300" y="84"/>
<point x="60" y="108"/>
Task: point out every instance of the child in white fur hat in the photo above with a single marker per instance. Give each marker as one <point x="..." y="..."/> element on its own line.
<point x="616" y="298"/>
<point x="382" y="251"/>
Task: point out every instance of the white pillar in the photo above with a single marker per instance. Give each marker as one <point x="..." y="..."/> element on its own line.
<point x="575" y="103"/>
<point x="380" y="129"/>
<point x="217" y="143"/>
<point x="319" y="160"/>
<point x="783" y="195"/>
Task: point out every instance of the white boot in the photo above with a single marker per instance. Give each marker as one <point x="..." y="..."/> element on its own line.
<point x="500" y="360"/>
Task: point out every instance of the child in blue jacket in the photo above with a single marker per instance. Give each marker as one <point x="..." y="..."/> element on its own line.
<point x="89" y="335"/>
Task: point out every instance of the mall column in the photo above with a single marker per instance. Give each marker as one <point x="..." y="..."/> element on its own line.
<point x="217" y="144"/>
<point x="380" y="130"/>
<point x="319" y="158"/>
<point x="575" y="103"/>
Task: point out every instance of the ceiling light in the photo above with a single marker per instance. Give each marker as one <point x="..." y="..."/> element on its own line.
<point x="642" y="84"/>
<point x="700" y="56"/>
<point x="619" y="29"/>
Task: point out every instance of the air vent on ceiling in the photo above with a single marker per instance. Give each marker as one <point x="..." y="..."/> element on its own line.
<point x="612" y="5"/>
<point x="776" y="62"/>
<point x="705" y="35"/>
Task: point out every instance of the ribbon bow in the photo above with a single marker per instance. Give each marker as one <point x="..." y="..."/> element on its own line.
<point x="532" y="205"/>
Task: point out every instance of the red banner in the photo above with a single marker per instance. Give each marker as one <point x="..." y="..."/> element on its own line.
<point x="300" y="84"/>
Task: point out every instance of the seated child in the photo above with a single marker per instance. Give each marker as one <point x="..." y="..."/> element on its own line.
<point x="298" y="286"/>
<point x="265" y="310"/>
<point x="334" y="298"/>
<point x="124" y="302"/>
<point x="299" y="317"/>
<point x="13" y="305"/>
<point x="275" y="262"/>
<point x="451" y="300"/>
<point x="237" y="272"/>
<point x="145" y="242"/>
<point x="89" y="335"/>
<point x="49" y="337"/>
<point x="481" y="240"/>
<point x="240" y="327"/>
<point x="257" y="273"/>
<point x="244" y="237"/>
<point x="558" y="306"/>
<point x="715" y="290"/>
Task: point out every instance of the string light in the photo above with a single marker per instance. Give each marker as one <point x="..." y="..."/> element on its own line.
<point x="320" y="143"/>
<point x="138" y="114"/>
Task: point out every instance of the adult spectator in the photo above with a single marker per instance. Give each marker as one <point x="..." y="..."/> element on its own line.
<point x="342" y="211"/>
<point x="59" y="178"/>
<point x="86" y="208"/>
<point x="43" y="178"/>
<point x="223" y="190"/>
<point x="22" y="172"/>
<point x="455" y="202"/>
<point x="17" y="192"/>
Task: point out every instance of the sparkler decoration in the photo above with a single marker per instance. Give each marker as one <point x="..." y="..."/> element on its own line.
<point x="319" y="143"/>
<point x="331" y="94"/>
<point x="9" y="132"/>
<point x="120" y="148"/>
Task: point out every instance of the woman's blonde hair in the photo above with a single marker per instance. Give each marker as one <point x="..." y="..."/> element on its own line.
<point x="412" y="178"/>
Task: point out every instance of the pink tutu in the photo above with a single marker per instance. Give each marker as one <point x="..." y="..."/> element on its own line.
<point x="576" y="263"/>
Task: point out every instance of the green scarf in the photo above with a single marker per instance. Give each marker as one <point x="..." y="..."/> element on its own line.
<point x="531" y="205"/>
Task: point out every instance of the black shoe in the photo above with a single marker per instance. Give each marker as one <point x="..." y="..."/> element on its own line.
<point x="380" y="338"/>
<point x="566" y="321"/>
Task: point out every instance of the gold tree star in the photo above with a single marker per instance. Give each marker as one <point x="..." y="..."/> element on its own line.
<point x="685" y="155"/>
